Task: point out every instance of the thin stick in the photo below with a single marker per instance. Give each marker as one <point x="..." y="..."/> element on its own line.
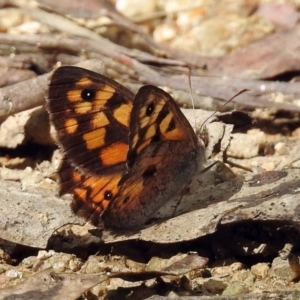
<point x="239" y="93"/>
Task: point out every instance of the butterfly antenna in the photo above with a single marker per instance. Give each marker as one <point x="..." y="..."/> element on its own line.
<point x="191" y="94"/>
<point x="228" y="101"/>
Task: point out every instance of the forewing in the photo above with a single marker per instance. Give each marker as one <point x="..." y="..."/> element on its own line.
<point x="90" y="113"/>
<point x="156" y="117"/>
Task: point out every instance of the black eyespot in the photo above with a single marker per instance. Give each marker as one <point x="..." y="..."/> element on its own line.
<point x="125" y="200"/>
<point x="150" y="109"/>
<point x="108" y="195"/>
<point x="88" y="94"/>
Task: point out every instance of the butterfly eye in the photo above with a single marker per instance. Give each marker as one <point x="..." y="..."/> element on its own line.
<point x="150" y="109"/>
<point x="108" y="195"/>
<point x="88" y="94"/>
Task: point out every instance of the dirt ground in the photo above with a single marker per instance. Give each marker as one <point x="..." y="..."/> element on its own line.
<point x="238" y="236"/>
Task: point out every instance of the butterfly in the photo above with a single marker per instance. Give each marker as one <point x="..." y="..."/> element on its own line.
<point x="124" y="155"/>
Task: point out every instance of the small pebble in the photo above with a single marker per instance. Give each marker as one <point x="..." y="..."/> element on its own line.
<point x="280" y="148"/>
<point x="260" y="270"/>
<point x="235" y="288"/>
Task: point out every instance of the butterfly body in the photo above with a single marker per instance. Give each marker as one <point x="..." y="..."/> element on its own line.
<point x="124" y="156"/>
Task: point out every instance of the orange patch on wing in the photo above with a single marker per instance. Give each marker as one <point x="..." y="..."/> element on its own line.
<point x="77" y="177"/>
<point x="81" y="193"/>
<point x="114" y="154"/>
<point x="74" y="95"/>
<point x="164" y="124"/>
<point x="150" y="132"/>
<point x="158" y="107"/>
<point x="122" y="113"/>
<point x="84" y="82"/>
<point x="105" y="93"/>
<point x="71" y="125"/>
<point x="99" y="120"/>
<point x="143" y="118"/>
<point x="135" y="140"/>
<point x="95" y="138"/>
<point x="83" y="107"/>
<point x="176" y="134"/>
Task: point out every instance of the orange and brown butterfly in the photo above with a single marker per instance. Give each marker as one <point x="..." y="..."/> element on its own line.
<point x="124" y="155"/>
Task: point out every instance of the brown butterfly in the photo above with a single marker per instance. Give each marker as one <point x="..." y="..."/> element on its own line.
<point x="124" y="155"/>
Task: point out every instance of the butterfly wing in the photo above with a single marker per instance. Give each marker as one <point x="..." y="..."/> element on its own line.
<point x="162" y="158"/>
<point x="91" y="116"/>
<point x="156" y="117"/>
<point x="91" y="193"/>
